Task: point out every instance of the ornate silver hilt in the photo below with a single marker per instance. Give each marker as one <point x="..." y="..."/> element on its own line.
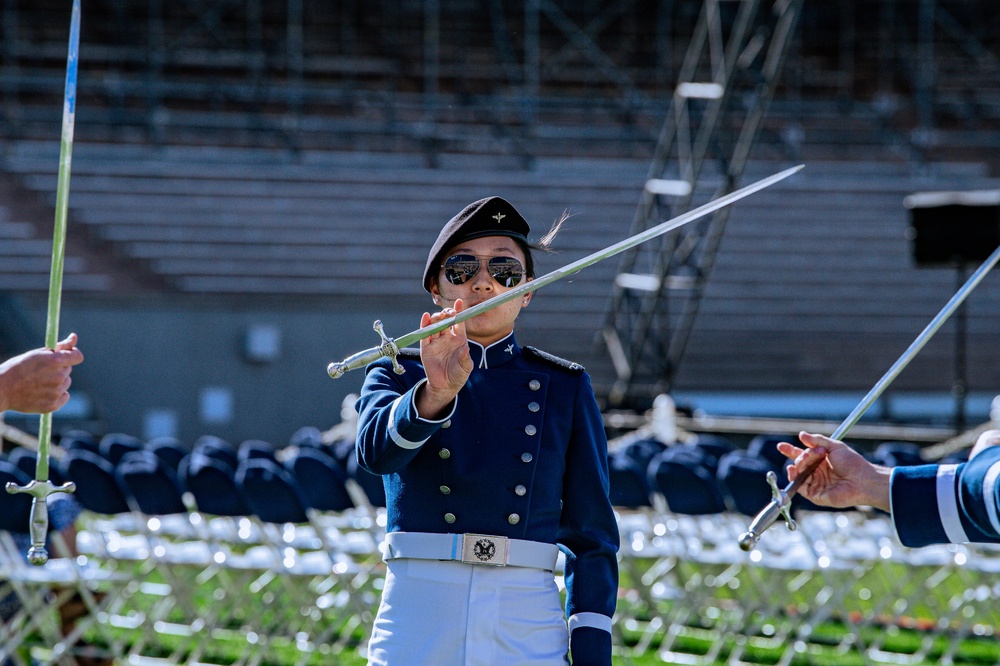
<point x="38" y="527"/>
<point x="388" y="349"/>
<point x="780" y="506"/>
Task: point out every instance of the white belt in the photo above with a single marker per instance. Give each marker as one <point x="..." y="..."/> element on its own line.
<point x="485" y="549"/>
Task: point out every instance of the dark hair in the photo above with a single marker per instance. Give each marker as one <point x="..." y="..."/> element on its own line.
<point x="544" y="244"/>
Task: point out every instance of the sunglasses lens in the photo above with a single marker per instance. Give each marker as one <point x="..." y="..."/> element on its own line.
<point x="506" y="271"/>
<point x="460" y="268"/>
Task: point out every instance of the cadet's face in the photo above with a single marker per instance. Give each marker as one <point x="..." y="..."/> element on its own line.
<point x="496" y="324"/>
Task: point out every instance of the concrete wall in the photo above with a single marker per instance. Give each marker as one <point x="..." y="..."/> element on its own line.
<point x="179" y="365"/>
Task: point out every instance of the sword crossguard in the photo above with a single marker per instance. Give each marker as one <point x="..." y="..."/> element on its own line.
<point x="388" y="347"/>
<point x="779" y="497"/>
<point x="780" y="505"/>
<point x="38" y="526"/>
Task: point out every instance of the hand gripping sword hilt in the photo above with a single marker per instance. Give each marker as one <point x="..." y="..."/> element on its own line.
<point x="780" y="505"/>
<point x="39" y="524"/>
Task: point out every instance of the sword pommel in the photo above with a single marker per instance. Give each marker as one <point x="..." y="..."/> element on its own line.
<point x="748" y="541"/>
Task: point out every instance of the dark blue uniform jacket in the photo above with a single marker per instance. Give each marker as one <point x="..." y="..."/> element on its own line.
<point x="948" y="503"/>
<point x="523" y="454"/>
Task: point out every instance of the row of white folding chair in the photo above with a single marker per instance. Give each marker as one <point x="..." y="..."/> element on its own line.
<point x="324" y="567"/>
<point x="849" y="563"/>
<point x="36" y="632"/>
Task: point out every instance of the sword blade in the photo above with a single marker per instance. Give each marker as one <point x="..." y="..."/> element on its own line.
<point x="40" y="488"/>
<point x="769" y="514"/>
<point x="59" y="230"/>
<point x="361" y="359"/>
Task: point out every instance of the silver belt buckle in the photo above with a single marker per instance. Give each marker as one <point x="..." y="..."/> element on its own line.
<point x="485" y="549"/>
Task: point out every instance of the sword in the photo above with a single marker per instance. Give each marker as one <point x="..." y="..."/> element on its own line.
<point x="780" y="503"/>
<point x="389" y="347"/>
<point x="40" y="488"/>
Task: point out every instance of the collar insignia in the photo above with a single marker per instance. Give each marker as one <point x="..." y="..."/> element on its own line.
<point x="510" y="349"/>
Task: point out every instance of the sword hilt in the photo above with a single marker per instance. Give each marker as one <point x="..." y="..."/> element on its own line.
<point x="779" y="506"/>
<point x="388" y="349"/>
<point x="38" y="526"/>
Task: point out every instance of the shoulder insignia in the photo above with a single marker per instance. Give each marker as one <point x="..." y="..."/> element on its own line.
<point x="555" y="360"/>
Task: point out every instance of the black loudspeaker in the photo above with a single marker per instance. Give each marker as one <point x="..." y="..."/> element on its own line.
<point x="949" y="228"/>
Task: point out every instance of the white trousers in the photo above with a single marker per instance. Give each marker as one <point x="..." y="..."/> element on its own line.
<point x="456" y="614"/>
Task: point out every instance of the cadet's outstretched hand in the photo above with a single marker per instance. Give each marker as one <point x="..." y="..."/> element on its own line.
<point x="446" y="361"/>
<point x="844" y="479"/>
<point x="37" y="382"/>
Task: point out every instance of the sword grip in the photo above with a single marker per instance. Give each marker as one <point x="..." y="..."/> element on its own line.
<point x="38" y="528"/>
<point x="337" y="369"/>
<point x="748" y="540"/>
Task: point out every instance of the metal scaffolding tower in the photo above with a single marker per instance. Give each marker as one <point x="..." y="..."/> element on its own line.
<point x="723" y="91"/>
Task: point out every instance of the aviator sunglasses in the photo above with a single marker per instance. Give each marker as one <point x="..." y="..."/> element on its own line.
<point x="460" y="268"/>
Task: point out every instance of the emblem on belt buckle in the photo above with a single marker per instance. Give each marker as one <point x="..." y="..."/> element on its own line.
<point x="484" y="549"/>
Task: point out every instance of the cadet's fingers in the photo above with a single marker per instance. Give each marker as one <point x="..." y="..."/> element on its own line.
<point x="67" y="353"/>
<point x="459" y="307"/>
<point x="790" y="451"/>
<point x="68" y="343"/>
<point x="812" y="441"/>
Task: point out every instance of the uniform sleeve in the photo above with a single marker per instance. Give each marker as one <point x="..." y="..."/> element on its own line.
<point x="390" y="433"/>
<point x="589" y="534"/>
<point x="948" y="503"/>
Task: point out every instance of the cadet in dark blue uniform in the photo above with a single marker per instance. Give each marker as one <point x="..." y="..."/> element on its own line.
<point x="950" y="503"/>
<point x="494" y="459"/>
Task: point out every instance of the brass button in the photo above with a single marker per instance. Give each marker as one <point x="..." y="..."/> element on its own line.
<point x="446" y="424"/>
<point x="445" y="454"/>
<point x="533" y="406"/>
<point x="445" y="490"/>
<point x="513" y="519"/>
<point x="530" y="429"/>
<point x="520" y="490"/>
<point x="449" y="517"/>
<point x="534" y="385"/>
<point x="526" y="457"/>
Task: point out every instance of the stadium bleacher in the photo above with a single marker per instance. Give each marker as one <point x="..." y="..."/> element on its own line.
<point x="802" y="269"/>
